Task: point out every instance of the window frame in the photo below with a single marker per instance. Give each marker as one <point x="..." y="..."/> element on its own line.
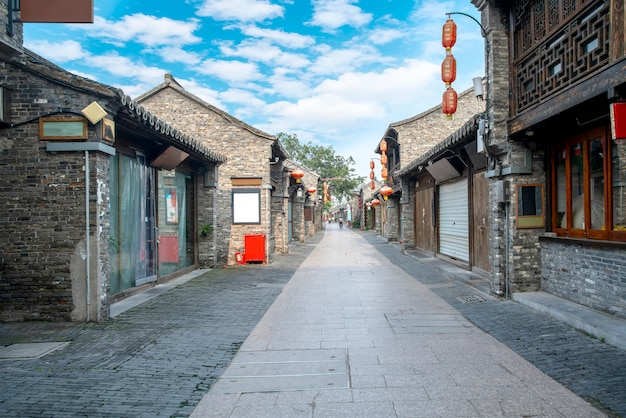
<point x="586" y="232"/>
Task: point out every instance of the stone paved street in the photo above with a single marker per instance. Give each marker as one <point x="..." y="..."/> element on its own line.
<point x="161" y="357"/>
<point x="588" y="367"/>
<point x="157" y="359"/>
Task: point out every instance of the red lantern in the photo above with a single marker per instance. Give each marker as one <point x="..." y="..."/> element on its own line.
<point x="449" y="102"/>
<point x="448" y="34"/>
<point x="375" y="202"/>
<point x="372" y="185"/>
<point x="386" y="191"/>
<point x="448" y="69"/>
<point x="383" y="146"/>
<point x="372" y="164"/>
<point x="297" y="174"/>
<point x="371" y="175"/>
<point x="384" y="173"/>
<point x="383" y="159"/>
<point x="312" y="190"/>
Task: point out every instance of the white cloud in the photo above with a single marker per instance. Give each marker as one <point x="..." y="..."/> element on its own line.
<point x="175" y="54"/>
<point x="389" y="86"/>
<point x="123" y="67"/>
<point x="147" y="30"/>
<point x="242" y="97"/>
<point x="333" y="14"/>
<point x="198" y="89"/>
<point x="287" y="86"/>
<point x="231" y="71"/>
<point x="354" y="101"/>
<point x="264" y="51"/>
<point x="338" y="61"/>
<point x="384" y="36"/>
<point x="59" y="52"/>
<point x="326" y="113"/>
<point x="240" y="10"/>
<point x="288" y="40"/>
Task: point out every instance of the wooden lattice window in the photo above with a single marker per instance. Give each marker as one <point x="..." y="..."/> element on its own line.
<point x="556" y="43"/>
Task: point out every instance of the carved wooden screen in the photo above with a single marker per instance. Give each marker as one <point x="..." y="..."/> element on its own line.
<point x="556" y="43"/>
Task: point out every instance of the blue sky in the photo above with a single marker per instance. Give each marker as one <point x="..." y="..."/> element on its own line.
<point x="333" y="72"/>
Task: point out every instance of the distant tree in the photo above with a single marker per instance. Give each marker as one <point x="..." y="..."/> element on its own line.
<point x="325" y="162"/>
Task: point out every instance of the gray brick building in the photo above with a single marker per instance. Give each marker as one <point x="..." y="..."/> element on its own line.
<point x="100" y="196"/>
<point x="540" y="170"/>
<point x="254" y="167"/>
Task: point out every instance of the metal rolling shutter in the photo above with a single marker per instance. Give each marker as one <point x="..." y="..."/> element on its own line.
<point x="453" y="220"/>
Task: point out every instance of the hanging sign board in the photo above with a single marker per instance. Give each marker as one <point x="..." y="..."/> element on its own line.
<point x="56" y="11"/>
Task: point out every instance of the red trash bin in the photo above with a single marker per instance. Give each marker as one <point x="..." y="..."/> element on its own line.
<point x="254" y="245"/>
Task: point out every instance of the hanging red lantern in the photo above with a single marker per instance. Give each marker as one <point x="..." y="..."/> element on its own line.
<point x="372" y="185"/>
<point x="384" y="173"/>
<point x="449" y="102"/>
<point x="297" y="174"/>
<point x="448" y="34"/>
<point x="383" y="159"/>
<point x="386" y="191"/>
<point x="448" y="69"/>
<point x="383" y="146"/>
<point x="375" y="202"/>
<point x="372" y="165"/>
<point x="312" y="190"/>
<point x="372" y="175"/>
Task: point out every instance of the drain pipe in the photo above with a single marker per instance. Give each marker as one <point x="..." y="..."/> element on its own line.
<point x="87" y="249"/>
<point x="506" y="251"/>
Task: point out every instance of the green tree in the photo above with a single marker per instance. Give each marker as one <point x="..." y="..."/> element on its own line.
<point x="326" y="163"/>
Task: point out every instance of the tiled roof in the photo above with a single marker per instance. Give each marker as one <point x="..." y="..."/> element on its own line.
<point x="172" y="83"/>
<point x="459" y="135"/>
<point x="35" y="64"/>
<point x="142" y="114"/>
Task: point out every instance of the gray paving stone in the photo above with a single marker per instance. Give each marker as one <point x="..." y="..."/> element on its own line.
<point x="590" y="368"/>
<point x="156" y="359"/>
<point x="161" y="357"/>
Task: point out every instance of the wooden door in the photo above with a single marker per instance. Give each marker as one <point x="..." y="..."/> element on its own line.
<point x="424" y="225"/>
<point x="480" y="222"/>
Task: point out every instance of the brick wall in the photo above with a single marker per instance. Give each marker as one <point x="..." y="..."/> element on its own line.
<point x="586" y="273"/>
<point x="43" y="212"/>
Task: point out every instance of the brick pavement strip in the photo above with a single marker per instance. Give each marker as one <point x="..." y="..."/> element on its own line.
<point x="157" y="359"/>
<point x="590" y="368"/>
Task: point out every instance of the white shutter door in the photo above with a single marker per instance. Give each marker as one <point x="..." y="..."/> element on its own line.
<point x="454" y="220"/>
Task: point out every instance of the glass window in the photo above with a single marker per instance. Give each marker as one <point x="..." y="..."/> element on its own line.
<point x="176" y="221"/>
<point x="596" y="187"/>
<point x="560" y="188"/>
<point x="132" y="222"/>
<point x="618" y="162"/>
<point x="577" y="186"/>
<point x="583" y="206"/>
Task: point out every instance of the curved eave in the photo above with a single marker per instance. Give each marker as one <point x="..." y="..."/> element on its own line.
<point x="177" y="137"/>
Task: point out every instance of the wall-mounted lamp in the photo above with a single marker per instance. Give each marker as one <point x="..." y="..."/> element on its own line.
<point x="94" y="113"/>
<point x="478" y="87"/>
